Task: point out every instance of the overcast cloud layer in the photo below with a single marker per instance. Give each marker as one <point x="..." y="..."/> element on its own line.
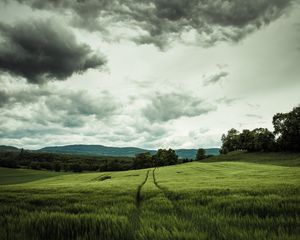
<point x="150" y="74"/>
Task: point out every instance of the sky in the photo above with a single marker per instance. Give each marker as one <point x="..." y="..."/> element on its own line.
<point x="144" y="73"/>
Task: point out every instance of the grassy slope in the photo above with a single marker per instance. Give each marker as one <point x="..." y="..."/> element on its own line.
<point x="16" y="176"/>
<point x="273" y="158"/>
<point x="215" y="199"/>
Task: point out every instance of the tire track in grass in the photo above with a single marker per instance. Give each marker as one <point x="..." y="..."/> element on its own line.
<point x="163" y="189"/>
<point x="138" y="197"/>
<point x="178" y="211"/>
<point x="134" y="216"/>
<point x="171" y="196"/>
<point x="178" y="208"/>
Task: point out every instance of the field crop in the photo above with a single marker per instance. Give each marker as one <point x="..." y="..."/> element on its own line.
<point x="234" y="197"/>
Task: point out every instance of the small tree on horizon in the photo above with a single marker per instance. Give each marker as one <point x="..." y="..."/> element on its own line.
<point x="200" y="154"/>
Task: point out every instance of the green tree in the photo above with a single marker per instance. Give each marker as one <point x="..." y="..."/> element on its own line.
<point x="57" y="167"/>
<point x="46" y="165"/>
<point x="76" y="167"/>
<point x="259" y="139"/>
<point x="200" y="154"/>
<point x="142" y="160"/>
<point x="230" y="142"/>
<point x="165" y="157"/>
<point x="246" y="140"/>
<point x="35" y="166"/>
<point x="21" y="154"/>
<point x="287" y="130"/>
<point x="263" y="140"/>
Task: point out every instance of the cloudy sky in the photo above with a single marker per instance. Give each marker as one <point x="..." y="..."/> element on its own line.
<point x="144" y="73"/>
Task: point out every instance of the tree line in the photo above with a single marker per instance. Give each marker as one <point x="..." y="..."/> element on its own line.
<point x="163" y="157"/>
<point x="79" y="163"/>
<point x="62" y="162"/>
<point x="285" y="137"/>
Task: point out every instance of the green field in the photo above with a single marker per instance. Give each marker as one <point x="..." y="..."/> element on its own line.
<point x="15" y="176"/>
<point x="238" y="196"/>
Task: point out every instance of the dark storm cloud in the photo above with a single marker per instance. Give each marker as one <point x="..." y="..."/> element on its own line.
<point x="41" y="50"/>
<point x="215" y="78"/>
<point x="218" y="20"/>
<point x="165" y="107"/>
<point x="85" y="12"/>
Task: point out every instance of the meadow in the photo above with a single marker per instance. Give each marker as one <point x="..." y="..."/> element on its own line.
<point x="236" y="196"/>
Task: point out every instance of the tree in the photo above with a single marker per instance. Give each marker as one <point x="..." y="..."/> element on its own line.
<point x="165" y="157"/>
<point x="246" y="140"/>
<point x="287" y="130"/>
<point x="21" y="154"/>
<point x="142" y="160"/>
<point x="46" y="165"/>
<point x="230" y="142"/>
<point x="76" y="167"/>
<point x="57" y="167"/>
<point x="263" y="140"/>
<point x="259" y="139"/>
<point x="65" y="167"/>
<point x="200" y="154"/>
<point x="35" y="166"/>
<point x="113" y="165"/>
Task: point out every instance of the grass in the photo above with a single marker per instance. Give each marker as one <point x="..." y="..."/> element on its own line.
<point x="16" y="176"/>
<point x="239" y="196"/>
<point x="269" y="158"/>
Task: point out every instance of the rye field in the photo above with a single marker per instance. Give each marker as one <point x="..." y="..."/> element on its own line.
<point x="237" y="196"/>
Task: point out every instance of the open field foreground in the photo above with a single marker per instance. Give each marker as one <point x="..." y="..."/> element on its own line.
<point x="257" y="196"/>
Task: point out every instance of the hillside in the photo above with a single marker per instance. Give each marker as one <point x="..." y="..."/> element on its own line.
<point x="16" y="176"/>
<point x="218" y="199"/>
<point x="268" y="158"/>
<point x="4" y="148"/>
<point x="95" y="150"/>
<point x="101" y="150"/>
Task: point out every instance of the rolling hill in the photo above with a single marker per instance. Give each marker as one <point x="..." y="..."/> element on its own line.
<point x="4" y="148"/>
<point x="100" y="150"/>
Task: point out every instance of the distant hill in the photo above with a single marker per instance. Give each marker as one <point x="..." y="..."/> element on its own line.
<point x="95" y="150"/>
<point x="4" y="148"/>
<point x="191" y="153"/>
<point x="100" y="150"/>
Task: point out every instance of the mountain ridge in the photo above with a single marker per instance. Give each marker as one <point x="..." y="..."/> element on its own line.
<point x="101" y="150"/>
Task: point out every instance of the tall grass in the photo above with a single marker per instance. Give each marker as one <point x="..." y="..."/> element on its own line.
<point x="201" y="200"/>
